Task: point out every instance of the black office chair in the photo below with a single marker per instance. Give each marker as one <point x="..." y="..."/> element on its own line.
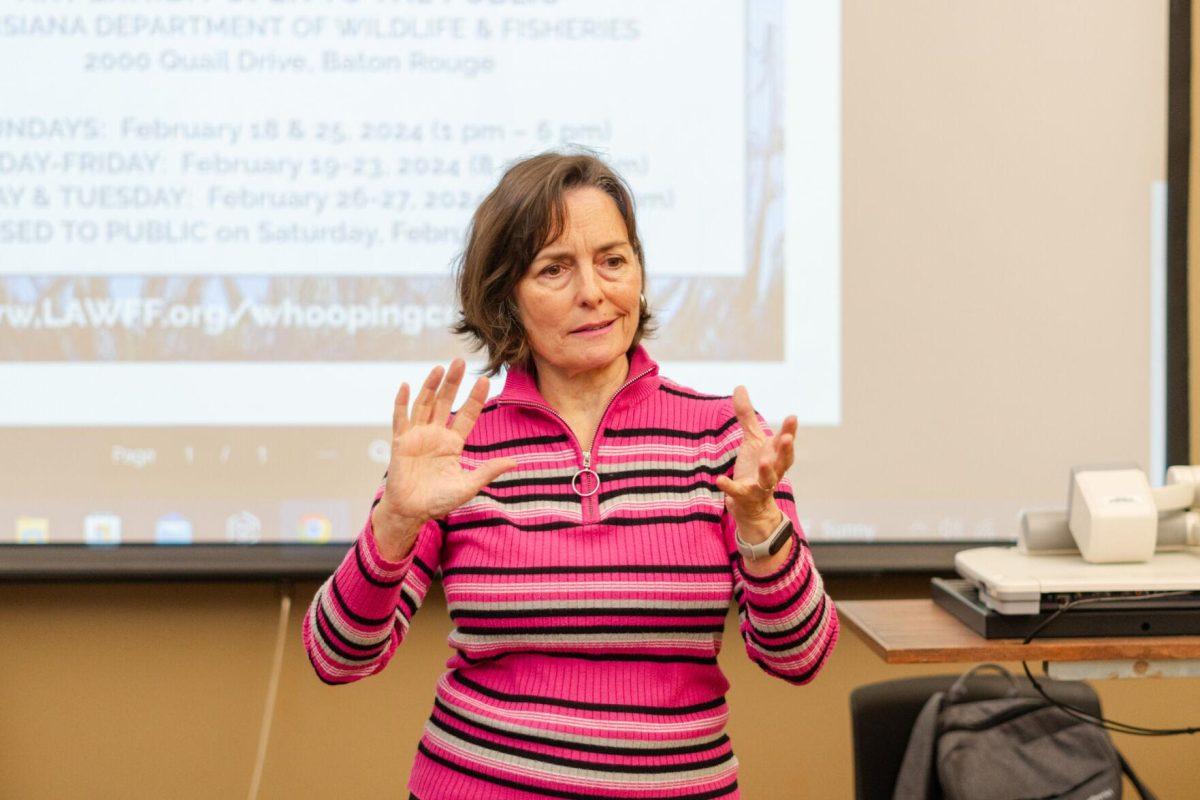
<point x="882" y="716"/>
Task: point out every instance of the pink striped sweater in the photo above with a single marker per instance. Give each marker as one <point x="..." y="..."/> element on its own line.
<point x="586" y="627"/>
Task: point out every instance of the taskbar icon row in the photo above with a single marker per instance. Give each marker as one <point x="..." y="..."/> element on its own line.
<point x="244" y="527"/>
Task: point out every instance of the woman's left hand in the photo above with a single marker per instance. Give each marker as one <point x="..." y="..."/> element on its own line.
<point x="761" y="463"/>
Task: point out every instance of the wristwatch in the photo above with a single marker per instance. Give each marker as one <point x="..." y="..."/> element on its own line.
<point x="769" y="546"/>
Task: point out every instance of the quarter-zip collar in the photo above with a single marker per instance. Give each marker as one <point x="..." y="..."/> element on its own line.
<point x="521" y="387"/>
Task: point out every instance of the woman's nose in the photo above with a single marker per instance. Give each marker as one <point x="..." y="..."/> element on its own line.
<point x="589" y="286"/>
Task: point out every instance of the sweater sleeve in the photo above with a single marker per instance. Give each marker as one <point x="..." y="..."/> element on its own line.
<point x="362" y="612"/>
<point x="786" y="619"/>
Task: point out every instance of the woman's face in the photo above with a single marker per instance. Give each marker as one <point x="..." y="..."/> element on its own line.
<point x="580" y="298"/>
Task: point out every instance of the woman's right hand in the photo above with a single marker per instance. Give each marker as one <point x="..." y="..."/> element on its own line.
<point x="425" y="478"/>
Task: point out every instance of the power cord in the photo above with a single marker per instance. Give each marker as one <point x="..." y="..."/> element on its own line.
<point x="264" y="731"/>
<point x="1102" y="722"/>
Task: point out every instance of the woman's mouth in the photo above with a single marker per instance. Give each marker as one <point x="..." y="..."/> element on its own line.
<point x="594" y="328"/>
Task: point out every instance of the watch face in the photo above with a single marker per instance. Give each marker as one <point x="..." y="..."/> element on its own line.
<point x="781" y="536"/>
<point x="784" y="534"/>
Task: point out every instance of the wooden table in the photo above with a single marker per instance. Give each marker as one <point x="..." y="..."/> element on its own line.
<point x="919" y="632"/>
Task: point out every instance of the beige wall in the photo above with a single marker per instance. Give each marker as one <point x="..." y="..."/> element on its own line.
<point x="156" y="691"/>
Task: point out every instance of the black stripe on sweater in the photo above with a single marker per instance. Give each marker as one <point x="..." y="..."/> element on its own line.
<point x="667" y="472"/>
<point x="367" y="576"/>
<point x="792" y="598"/>
<point x="540" y="630"/>
<point x="552" y="497"/>
<point x="562" y="480"/>
<point x="803" y="677"/>
<point x="317" y="670"/>
<point x="626" y="611"/>
<point x="620" y="708"/>
<point x="633" y="433"/>
<point x="375" y="622"/>
<point x="699" y="569"/>
<point x="421" y="565"/>
<point x="663" y="519"/>
<point x="488" y="522"/>
<point x="664" y="488"/>
<point x="366" y="653"/>
<point x="713" y="794"/>
<point x="636" y="658"/>
<point x="584" y="747"/>
<point x="524" y="442"/>
<point x="580" y="763"/>
<point x="409" y="602"/>
<point x="760" y="638"/>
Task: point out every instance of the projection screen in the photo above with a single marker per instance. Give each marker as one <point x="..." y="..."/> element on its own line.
<point x="932" y="230"/>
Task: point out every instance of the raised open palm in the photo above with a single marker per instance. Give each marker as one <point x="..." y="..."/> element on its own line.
<point x="425" y="478"/>
<point x="761" y="463"/>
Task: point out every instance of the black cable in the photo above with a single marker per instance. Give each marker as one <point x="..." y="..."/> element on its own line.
<point x="1101" y="722"/>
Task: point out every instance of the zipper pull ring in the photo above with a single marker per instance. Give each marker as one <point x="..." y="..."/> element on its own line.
<point x="576" y="479"/>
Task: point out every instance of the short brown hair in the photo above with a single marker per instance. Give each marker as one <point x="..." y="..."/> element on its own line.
<point x="522" y="214"/>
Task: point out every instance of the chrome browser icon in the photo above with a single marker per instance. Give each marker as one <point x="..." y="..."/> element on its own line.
<point x="314" y="528"/>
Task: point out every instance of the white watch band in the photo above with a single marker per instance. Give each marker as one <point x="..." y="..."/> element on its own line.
<point x="769" y="546"/>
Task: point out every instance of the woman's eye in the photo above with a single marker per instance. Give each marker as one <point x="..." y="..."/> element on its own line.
<point x="552" y="271"/>
<point x="615" y="261"/>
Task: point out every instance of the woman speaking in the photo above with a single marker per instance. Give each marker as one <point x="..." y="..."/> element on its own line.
<point x="590" y="524"/>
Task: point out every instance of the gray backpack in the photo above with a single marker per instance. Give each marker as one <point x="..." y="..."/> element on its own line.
<point x="1010" y="748"/>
